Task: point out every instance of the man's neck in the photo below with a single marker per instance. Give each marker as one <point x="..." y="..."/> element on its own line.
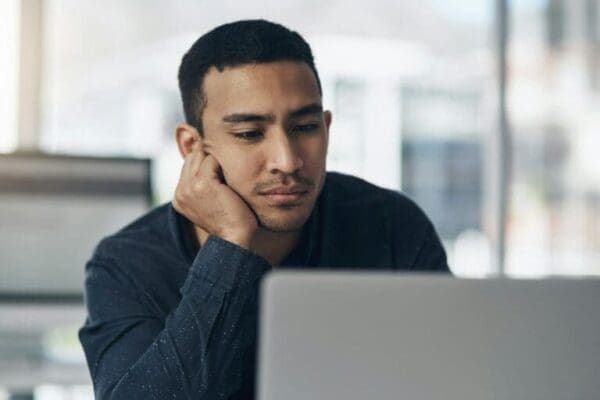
<point x="272" y="246"/>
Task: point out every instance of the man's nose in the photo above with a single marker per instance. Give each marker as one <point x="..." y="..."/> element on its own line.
<point x="283" y="154"/>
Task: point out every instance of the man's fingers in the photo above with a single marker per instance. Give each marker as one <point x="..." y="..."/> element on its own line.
<point x="210" y="168"/>
<point x="192" y="162"/>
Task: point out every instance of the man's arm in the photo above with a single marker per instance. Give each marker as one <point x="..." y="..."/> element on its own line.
<point x="197" y="352"/>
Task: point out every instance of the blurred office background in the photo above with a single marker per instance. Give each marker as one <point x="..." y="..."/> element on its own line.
<point x="486" y="112"/>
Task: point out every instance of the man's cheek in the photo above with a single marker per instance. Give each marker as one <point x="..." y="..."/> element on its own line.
<point x="227" y="172"/>
<point x="233" y="179"/>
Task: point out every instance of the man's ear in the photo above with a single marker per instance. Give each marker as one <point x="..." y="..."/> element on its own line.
<point x="327" y="115"/>
<point x="188" y="138"/>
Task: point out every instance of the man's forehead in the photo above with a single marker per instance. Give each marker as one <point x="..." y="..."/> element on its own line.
<point x="291" y="82"/>
<point x="258" y="68"/>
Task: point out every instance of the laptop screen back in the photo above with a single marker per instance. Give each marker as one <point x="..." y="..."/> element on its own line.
<point x="389" y="336"/>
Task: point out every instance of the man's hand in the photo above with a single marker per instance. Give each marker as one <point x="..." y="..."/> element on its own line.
<point x="205" y="199"/>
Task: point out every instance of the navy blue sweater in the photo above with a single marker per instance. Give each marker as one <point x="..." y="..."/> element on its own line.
<point x="167" y="320"/>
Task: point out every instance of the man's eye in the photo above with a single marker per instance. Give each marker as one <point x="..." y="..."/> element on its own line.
<point x="305" y="128"/>
<point x="248" y="135"/>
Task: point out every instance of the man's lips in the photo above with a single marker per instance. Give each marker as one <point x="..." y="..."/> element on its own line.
<point x="285" y="195"/>
<point x="284" y="190"/>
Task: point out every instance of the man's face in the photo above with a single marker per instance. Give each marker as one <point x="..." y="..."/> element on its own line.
<point x="265" y="126"/>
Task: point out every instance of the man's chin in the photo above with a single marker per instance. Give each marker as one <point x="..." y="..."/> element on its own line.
<point x="287" y="224"/>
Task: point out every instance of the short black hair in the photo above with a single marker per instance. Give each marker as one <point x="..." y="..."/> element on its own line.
<point x="234" y="44"/>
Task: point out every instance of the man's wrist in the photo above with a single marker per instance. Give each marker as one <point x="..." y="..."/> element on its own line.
<point x="241" y="239"/>
<point x="225" y="264"/>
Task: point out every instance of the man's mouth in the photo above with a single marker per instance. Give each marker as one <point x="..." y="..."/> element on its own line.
<point x="284" y="195"/>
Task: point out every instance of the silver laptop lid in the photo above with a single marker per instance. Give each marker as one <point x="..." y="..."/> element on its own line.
<point x="390" y="336"/>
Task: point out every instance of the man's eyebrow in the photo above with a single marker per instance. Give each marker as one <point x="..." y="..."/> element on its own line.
<point x="314" y="108"/>
<point x="248" y="117"/>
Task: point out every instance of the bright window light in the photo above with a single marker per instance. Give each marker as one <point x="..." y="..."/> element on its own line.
<point x="9" y="73"/>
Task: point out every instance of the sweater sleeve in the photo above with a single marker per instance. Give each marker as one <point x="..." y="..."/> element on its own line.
<point x="196" y="353"/>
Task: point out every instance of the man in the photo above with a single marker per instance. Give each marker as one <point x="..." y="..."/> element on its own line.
<point x="172" y="298"/>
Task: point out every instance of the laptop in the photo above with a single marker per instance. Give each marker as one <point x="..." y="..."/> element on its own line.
<point x="382" y="336"/>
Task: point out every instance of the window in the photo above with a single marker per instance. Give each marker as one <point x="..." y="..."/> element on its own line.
<point x="553" y="101"/>
<point x="9" y="54"/>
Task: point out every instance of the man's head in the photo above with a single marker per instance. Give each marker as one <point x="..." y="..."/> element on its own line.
<point x="252" y="99"/>
<point x="231" y="45"/>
